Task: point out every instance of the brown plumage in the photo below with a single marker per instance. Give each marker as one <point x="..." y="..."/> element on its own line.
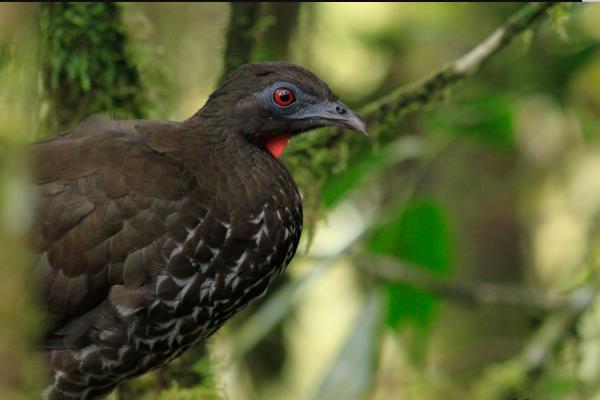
<point x="149" y="235"/>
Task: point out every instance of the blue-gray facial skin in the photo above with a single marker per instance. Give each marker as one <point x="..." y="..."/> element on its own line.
<point x="309" y="108"/>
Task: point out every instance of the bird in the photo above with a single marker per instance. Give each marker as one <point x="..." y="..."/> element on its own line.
<point x="148" y="235"/>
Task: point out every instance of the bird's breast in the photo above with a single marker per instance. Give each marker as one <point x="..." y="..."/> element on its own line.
<point x="226" y="244"/>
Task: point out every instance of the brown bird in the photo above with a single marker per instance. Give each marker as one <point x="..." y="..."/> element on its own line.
<point x="149" y="235"/>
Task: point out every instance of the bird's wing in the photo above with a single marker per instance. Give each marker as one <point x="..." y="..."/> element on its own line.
<point x="105" y="192"/>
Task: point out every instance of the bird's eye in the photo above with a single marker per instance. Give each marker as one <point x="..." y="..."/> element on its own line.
<point x="284" y="97"/>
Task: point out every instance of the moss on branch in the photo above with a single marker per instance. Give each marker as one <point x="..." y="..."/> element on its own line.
<point x="388" y="109"/>
<point x="315" y="158"/>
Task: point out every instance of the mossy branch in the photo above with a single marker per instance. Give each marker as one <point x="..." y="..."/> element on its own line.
<point x="315" y="158"/>
<point x="416" y="96"/>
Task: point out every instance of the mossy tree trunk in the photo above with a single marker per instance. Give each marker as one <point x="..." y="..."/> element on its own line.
<point x="86" y="64"/>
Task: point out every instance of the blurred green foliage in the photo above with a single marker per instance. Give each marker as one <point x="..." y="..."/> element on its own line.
<point x="488" y="120"/>
<point x="418" y="235"/>
<point x="21" y="373"/>
<point x="421" y="236"/>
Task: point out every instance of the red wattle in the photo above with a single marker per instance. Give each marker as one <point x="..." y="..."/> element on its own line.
<point x="276" y="145"/>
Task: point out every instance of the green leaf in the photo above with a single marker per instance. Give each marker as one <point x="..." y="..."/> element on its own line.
<point x="420" y="236"/>
<point x="407" y="304"/>
<point x="351" y="374"/>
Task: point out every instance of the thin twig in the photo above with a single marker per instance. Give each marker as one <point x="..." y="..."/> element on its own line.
<point x="472" y="293"/>
<point x="554" y="328"/>
<point x="418" y="95"/>
<point x="529" y="364"/>
<point x="388" y="110"/>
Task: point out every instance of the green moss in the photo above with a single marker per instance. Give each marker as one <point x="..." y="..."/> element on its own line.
<point x="86" y="65"/>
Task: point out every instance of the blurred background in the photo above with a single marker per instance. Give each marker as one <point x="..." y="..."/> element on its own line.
<point x="452" y="255"/>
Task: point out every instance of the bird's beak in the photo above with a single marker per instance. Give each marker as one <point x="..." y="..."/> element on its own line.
<point x="330" y="113"/>
<point x="339" y="114"/>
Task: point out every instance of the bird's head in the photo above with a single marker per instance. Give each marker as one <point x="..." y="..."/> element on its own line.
<point x="269" y="102"/>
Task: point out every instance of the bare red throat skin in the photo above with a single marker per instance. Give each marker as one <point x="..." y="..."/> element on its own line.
<point x="276" y="144"/>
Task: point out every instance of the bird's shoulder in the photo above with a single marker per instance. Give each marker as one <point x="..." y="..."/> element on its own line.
<point x="104" y="191"/>
<point x="100" y="142"/>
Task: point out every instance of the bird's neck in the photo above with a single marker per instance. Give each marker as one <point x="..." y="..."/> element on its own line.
<point x="203" y="141"/>
<point x="223" y="160"/>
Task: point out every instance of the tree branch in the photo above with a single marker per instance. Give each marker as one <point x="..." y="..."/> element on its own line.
<point x="472" y="292"/>
<point x="554" y="329"/>
<point x="313" y="169"/>
<point x="418" y="95"/>
<point x="240" y="36"/>
<point x="513" y="378"/>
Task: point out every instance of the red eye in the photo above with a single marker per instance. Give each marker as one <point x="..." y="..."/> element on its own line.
<point x="284" y="97"/>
